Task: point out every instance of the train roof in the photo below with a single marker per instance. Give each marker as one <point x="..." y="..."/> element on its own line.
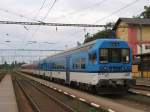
<point x="85" y="45"/>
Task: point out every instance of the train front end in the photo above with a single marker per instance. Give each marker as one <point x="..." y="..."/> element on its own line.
<point x="114" y="67"/>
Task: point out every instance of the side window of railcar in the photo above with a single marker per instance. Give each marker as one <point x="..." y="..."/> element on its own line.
<point x="79" y="63"/>
<point x="103" y="55"/>
<point x="76" y="64"/>
<point x="82" y="63"/>
<point x="93" y="57"/>
<point x="125" y="55"/>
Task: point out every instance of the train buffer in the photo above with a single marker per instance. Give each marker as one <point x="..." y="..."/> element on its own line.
<point x="7" y="95"/>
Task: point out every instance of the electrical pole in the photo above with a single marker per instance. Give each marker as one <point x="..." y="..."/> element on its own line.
<point x="141" y="48"/>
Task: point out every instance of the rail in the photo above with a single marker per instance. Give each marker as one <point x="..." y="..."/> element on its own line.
<point x="37" y="108"/>
<point x="67" y="108"/>
<point x="34" y="105"/>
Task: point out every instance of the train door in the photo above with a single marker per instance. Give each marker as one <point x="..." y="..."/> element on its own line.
<point x="67" y="70"/>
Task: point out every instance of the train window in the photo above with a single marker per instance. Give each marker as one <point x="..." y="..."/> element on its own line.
<point x="82" y="66"/>
<point x="115" y="55"/>
<point x="103" y="55"/>
<point x="93" y="57"/>
<point x="79" y="63"/>
<point x="77" y="66"/>
<point x="125" y="55"/>
<point x="82" y="63"/>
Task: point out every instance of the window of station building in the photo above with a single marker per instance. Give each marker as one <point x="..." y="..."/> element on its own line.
<point x="147" y="47"/>
<point x="93" y="57"/>
<point x="125" y="55"/>
<point x="103" y="55"/>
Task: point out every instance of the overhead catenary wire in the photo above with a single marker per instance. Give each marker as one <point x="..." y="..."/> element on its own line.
<point x="52" y="24"/>
<point x="43" y="3"/>
<point x="41" y="7"/>
<point x="36" y="15"/>
<point x="49" y="10"/>
<point x="116" y="11"/>
<point x="43" y="19"/>
<point x="83" y="9"/>
<point x="19" y="15"/>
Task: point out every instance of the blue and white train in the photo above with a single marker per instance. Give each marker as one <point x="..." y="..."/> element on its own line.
<point x="103" y="65"/>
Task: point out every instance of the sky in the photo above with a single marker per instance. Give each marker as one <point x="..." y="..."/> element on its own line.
<point x="60" y="11"/>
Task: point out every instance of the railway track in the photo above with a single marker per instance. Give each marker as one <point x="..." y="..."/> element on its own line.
<point x="40" y="100"/>
<point x="129" y="100"/>
<point x="43" y="99"/>
<point x="24" y="101"/>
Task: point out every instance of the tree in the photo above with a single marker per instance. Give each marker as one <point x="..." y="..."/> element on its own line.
<point x="106" y="33"/>
<point x="146" y="12"/>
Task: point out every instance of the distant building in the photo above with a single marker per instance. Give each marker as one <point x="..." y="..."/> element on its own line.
<point x="136" y="31"/>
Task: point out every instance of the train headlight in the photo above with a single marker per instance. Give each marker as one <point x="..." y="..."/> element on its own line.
<point x="104" y="68"/>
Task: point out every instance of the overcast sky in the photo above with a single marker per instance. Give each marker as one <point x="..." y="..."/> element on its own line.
<point x="63" y="11"/>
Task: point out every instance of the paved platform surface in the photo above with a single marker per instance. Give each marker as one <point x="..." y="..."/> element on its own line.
<point x="142" y="92"/>
<point x="7" y="95"/>
<point x="143" y="81"/>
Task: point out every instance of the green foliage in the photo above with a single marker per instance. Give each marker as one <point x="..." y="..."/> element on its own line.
<point x="104" y="34"/>
<point x="13" y="65"/>
<point x="146" y="12"/>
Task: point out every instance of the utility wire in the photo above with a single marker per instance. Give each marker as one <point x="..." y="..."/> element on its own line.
<point x="42" y="6"/>
<point x="51" y="7"/>
<point x="117" y="11"/>
<point x="43" y="3"/>
<point x="16" y="14"/>
<point x="36" y="15"/>
<point x="49" y="10"/>
<point x="84" y="8"/>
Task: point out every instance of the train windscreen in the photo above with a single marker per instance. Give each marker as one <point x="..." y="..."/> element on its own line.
<point x="114" y="55"/>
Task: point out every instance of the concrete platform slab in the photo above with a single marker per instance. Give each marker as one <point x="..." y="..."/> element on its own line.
<point x="7" y="95"/>
<point x="142" y="81"/>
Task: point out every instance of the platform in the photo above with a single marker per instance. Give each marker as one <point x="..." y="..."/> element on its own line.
<point x="143" y="81"/>
<point x="7" y="95"/>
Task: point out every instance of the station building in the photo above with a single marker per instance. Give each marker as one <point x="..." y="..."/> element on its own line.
<point x="136" y="31"/>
